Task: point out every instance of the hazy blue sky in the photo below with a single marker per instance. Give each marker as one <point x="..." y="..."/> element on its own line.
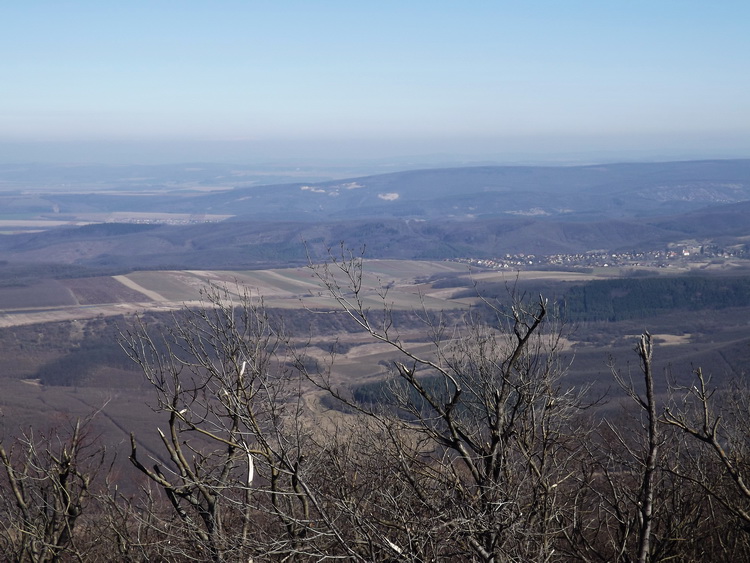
<point x="328" y="78"/>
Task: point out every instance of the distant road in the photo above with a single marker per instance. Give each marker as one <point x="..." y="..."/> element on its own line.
<point x="70" y="313"/>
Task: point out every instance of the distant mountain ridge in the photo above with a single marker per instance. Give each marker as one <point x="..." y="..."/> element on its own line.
<point x="482" y="212"/>
<point x="562" y="192"/>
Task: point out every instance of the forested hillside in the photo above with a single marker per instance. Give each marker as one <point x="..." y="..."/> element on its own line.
<point x="642" y="298"/>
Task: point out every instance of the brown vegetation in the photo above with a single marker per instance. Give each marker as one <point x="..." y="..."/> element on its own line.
<point x="478" y="448"/>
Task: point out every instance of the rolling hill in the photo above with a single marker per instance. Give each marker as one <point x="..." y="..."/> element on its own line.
<point x="576" y="192"/>
<point x="479" y="212"/>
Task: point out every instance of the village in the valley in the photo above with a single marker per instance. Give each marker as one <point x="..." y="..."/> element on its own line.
<point x="672" y="256"/>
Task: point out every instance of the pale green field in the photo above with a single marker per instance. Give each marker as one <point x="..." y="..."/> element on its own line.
<point x="298" y="287"/>
<point x="283" y="288"/>
<point x="405" y="281"/>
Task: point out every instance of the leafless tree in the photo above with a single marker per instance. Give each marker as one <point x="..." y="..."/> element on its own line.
<point x="649" y="459"/>
<point x="644" y="489"/>
<point x="614" y="508"/>
<point x="481" y="430"/>
<point x="46" y="490"/>
<point x="716" y="423"/>
<point x="241" y="458"/>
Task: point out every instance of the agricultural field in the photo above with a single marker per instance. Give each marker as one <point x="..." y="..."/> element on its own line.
<point x="408" y="287"/>
<point x="101" y="290"/>
<point x="47" y="300"/>
<point x="38" y="296"/>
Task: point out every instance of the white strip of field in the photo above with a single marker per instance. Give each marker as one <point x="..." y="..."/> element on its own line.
<point x="127" y="282"/>
<point x="17" y="223"/>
